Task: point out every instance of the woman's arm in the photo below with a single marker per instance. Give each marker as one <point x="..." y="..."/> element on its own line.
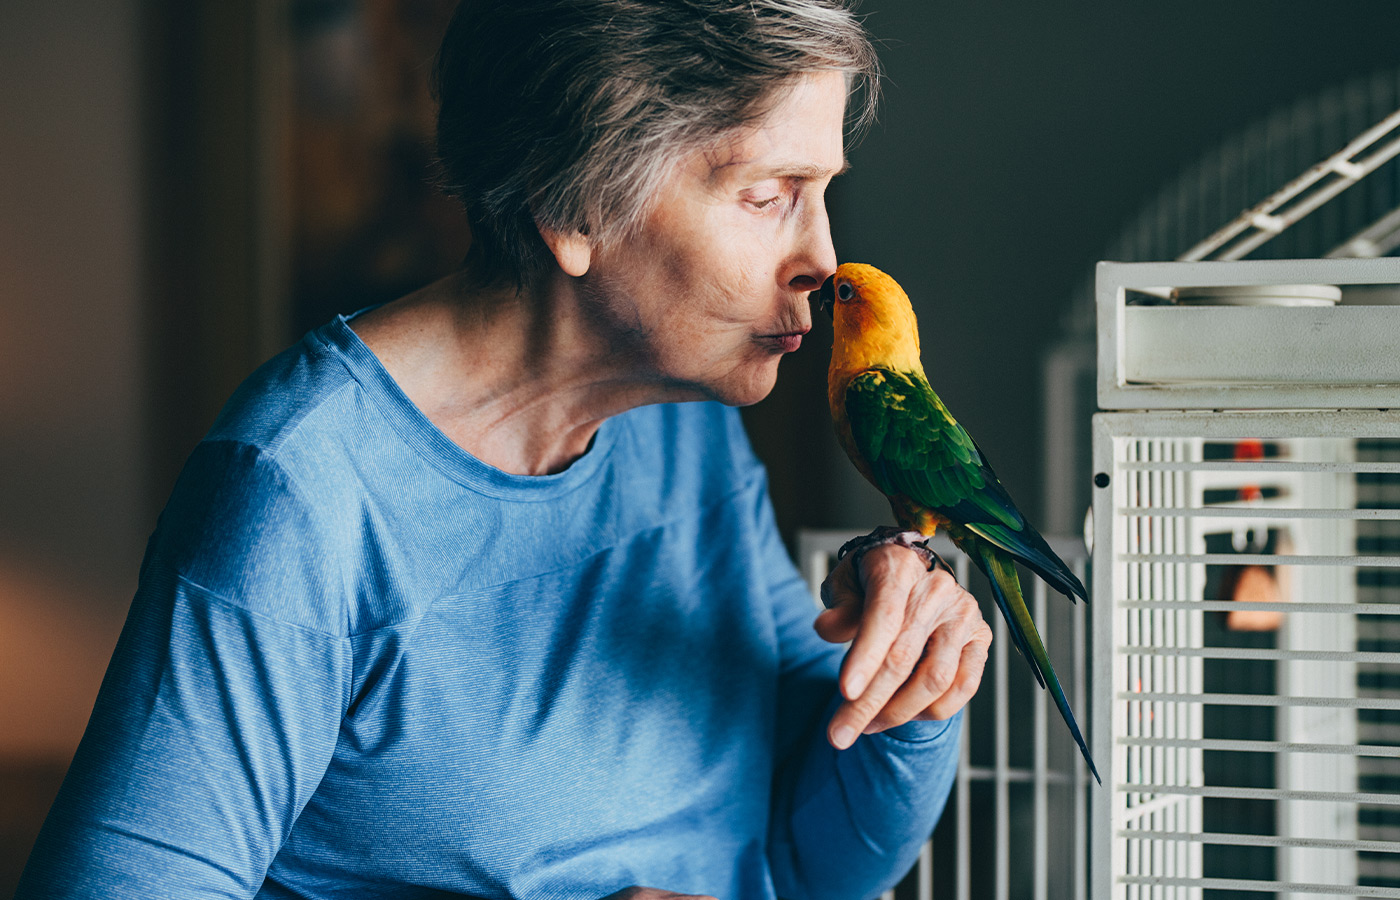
<point x="849" y="823"/>
<point x="217" y="716"/>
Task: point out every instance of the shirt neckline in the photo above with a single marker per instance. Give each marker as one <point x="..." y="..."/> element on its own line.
<point x="418" y="431"/>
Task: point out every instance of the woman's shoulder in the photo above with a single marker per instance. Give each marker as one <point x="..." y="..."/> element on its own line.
<point x="280" y="396"/>
<point x="265" y="508"/>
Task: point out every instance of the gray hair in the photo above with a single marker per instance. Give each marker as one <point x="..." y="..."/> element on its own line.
<point x="568" y="114"/>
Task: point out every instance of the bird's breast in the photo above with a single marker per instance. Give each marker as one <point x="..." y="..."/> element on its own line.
<point x="838" y="380"/>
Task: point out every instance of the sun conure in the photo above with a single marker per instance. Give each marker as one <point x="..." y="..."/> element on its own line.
<point x="903" y="439"/>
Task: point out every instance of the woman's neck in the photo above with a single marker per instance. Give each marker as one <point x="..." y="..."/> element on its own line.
<point x="521" y="380"/>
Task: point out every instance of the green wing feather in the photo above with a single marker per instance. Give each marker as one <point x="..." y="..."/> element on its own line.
<point x="915" y="448"/>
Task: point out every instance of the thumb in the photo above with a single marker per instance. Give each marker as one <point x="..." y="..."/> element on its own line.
<point x="845" y="601"/>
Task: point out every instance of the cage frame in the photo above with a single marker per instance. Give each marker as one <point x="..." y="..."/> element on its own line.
<point x="1161" y="376"/>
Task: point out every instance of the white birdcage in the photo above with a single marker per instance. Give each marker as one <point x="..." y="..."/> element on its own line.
<point x="1253" y="431"/>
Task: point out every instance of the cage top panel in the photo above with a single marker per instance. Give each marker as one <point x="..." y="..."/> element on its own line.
<point x="1270" y="350"/>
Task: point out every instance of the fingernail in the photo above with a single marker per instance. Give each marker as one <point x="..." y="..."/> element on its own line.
<point x="843" y="737"/>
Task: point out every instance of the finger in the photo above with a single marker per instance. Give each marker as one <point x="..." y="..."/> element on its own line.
<point x="965" y="685"/>
<point x="904" y="654"/>
<point x="853" y="717"/>
<point x="936" y="597"/>
<point x="891" y="578"/>
<point x="839" y="624"/>
<point x="887" y="588"/>
<point x="946" y="677"/>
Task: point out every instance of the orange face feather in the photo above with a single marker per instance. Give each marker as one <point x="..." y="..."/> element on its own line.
<point x="873" y="322"/>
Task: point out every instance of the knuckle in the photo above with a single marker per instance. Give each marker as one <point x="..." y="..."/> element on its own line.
<point x="965" y="602"/>
<point x="936" y="583"/>
<point x="873" y="561"/>
<point x="940" y="598"/>
<point x="902" y="657"/>
<point x="933" y="581"/>
<point x="970" y="615"/>
<point x="938" y="678"/>
<point x="896" y="562"/>
<point x="910" y="563"/>
<point x="942" y="577"/>
<point x="946" y="587"/>
<point x="866" y="709"/>
<point x="972" y="673"/>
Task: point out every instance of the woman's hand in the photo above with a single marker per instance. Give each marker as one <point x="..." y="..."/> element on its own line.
<point x="919" y="642"/>
<point x="646" y="893"/>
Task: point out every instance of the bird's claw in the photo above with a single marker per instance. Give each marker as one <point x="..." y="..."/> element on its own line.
<point x="887" y="534"/>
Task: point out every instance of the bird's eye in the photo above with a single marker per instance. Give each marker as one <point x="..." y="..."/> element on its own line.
<point x="845" y="291"/>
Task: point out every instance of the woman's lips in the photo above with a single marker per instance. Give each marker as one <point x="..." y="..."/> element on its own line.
<point x="786" y="342"/>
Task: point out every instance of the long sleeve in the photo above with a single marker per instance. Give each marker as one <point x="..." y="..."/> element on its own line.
<point x="850" y="823"/>
<point x="354" y="668"/>
<point x="845" y="824"/>
<point x="213" y="726"/>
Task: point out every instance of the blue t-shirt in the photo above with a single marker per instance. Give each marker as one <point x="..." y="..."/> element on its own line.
<point x="362" y="663"/>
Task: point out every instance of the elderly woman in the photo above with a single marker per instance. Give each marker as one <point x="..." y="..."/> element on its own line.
<point x="456" y="599"/>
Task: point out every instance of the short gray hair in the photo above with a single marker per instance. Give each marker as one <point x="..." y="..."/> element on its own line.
<point x="568" y="114"/>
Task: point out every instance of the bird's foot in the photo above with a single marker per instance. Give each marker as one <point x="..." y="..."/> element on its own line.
<point x="888" y="534"/>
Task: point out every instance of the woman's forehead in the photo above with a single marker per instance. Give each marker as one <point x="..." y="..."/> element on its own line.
<point x="801" y="136"/>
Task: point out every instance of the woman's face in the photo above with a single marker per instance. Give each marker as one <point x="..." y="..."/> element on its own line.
<point x="712" y="291"/>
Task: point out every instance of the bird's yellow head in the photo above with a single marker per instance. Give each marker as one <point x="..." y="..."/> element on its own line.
<point x="872" y="320"/>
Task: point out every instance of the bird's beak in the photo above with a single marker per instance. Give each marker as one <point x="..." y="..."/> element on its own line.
<point x="825" y="296"/>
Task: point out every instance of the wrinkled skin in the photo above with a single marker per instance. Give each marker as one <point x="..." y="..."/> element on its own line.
<point x="919" y="642"/>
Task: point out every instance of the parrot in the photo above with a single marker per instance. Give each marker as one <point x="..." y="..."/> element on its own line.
<point x="904" y="441"/>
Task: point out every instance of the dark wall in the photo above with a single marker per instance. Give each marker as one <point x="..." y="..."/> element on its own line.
<point x="1015" y="138"/>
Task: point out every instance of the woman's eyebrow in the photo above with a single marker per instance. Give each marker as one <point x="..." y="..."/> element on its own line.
<point x="809" y="171"/>
<point x="784" y="169"/>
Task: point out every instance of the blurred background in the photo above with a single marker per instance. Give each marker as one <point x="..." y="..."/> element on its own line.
<point x="186" y="186"/>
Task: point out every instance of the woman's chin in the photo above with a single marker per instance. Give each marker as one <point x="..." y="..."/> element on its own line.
<point x="747" y="391"/>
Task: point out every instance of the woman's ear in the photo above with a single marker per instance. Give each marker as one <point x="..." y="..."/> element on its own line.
<point x="571" y="250"/>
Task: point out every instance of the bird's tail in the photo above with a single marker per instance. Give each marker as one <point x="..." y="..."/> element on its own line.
<point x="1000" y="570"/>
<point x="1026" y="544"/>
